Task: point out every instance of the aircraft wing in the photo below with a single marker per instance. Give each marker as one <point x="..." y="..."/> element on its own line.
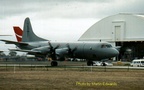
<point x="14" y="42"/>
<point x="29" y="51"/>
<point x="36" y="51"/>
<point x="5" y="35"/>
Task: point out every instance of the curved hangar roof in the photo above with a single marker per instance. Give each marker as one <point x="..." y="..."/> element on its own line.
<point x="120" y="27"/>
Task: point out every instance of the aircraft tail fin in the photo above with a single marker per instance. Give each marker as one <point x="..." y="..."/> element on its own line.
<point x="18" y="33"/>
<point x="28" y="34"/>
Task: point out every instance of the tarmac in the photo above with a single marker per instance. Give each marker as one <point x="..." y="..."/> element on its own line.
<point x="69" y="64"/>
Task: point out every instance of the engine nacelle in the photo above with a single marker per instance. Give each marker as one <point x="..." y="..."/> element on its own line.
<point x="44" y="49"/>
<point x="61" y="52"/>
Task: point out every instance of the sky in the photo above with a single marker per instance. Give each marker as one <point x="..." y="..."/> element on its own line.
<point x="60" y="20"/>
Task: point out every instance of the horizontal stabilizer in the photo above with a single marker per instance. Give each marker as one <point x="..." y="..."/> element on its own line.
<point x="14" y="42"/>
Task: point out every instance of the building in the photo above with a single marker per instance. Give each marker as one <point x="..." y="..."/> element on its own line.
<point x="125" y="30"/>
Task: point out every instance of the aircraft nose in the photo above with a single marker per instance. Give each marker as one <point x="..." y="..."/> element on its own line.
<point x="115" y="52"/>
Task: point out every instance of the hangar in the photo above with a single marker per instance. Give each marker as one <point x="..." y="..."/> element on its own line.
<point x="125" y="30"/>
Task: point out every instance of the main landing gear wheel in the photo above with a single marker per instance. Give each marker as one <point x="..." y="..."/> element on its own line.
<point x="54" y="63"/>
<point x="89" y="63"/>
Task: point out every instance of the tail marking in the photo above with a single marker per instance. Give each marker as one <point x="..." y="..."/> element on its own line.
<point x="18" y="33"/>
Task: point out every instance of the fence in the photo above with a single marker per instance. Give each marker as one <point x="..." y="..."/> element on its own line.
<point x="44" y="67"/>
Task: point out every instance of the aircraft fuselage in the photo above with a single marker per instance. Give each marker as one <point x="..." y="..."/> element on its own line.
<point x="83" y="50"/>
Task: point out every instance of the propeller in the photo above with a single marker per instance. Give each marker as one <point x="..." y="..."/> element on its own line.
<point x="53" y="50"/>
<point x="71" y="51"/>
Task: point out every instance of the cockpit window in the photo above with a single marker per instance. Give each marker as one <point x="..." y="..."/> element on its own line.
<point x="106" y="46"/>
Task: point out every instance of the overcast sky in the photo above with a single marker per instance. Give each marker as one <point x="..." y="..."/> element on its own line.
<point x="61" y="20"/>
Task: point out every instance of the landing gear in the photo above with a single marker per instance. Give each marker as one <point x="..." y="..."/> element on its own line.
<point x="54" y="63"/>
<point x="89" y="63"/>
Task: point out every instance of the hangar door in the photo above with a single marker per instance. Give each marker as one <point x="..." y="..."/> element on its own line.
<point x="117" y="33"/>
<point x="118" y="30"/>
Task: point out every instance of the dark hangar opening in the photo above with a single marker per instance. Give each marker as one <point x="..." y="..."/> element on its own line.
<point x="131" y="50"/>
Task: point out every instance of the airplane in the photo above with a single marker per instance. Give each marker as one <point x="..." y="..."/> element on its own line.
<point x="18" y="33"/>
<point x="4" y="35"/>
<point x="34" y="45"/>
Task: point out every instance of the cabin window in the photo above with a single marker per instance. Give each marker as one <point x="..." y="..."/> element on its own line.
<point x="106" y="46"/>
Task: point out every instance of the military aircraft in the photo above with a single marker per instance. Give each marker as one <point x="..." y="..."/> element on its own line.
<point x="34" y="45"/>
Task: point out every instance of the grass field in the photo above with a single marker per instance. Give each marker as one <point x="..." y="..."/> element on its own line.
<point x="60" y="79"/>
